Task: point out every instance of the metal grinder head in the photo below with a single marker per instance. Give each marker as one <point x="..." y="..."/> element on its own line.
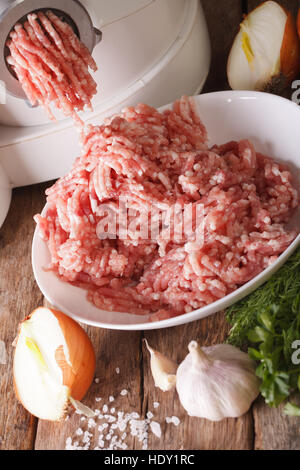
<point x="16" y="11"/>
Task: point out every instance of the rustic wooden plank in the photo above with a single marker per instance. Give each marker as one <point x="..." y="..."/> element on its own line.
<point x="19" y="295"/>
<point x="223" y="19"/>
<point x="192" y="433"/>
<point x="116" y="351"/>
<point x="274" y="430"/>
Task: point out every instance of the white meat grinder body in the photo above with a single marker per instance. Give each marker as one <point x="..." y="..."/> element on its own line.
<point x="152" y="51"/>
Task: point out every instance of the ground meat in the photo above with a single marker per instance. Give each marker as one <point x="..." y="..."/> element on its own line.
<point x="52" y="64"/>
<point x="159" y="163"/>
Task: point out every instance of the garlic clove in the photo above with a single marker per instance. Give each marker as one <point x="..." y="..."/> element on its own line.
<point x="217" y="382"/>
<point x="53" y="361"/>
<point x="163" y="370"/>
<point x="266" y="53"/>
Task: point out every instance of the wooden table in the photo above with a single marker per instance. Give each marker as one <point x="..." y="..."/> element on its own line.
<point x="260" y="428"/>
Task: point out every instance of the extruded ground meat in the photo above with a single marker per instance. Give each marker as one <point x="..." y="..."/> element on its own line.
<point x="158" y="161"/>
<point x="52" y="64"/>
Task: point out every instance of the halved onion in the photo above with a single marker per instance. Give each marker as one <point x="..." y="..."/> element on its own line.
<point x="265" y="54"/>
<point x="54" y="364"/>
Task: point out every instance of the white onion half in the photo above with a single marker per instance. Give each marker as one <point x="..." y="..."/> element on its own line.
<point x="54" y="361"/>
<point x="266" y="52"/>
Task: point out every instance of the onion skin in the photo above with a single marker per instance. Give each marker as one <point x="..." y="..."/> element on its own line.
<point x="290" y="51"/>
<point x="80" y="376"/>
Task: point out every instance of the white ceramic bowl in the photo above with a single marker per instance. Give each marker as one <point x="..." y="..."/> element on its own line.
<point x="5" y="196"/>
<point x="272" y="124"/>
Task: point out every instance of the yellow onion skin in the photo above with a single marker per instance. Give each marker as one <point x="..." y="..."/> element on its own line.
<point x="80" y="376"/>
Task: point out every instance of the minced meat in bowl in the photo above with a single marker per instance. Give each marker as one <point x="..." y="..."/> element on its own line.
<point x="219" y="212"/>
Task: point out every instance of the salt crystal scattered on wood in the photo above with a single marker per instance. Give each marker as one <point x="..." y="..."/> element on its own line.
<point x="175" y="420"/>
<point x="113" y="430"/>
<point x="91" y="423"/>
<point x="155" y="428"/>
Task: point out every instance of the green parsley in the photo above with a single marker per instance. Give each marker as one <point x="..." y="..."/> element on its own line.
<point x="268" y="322"/>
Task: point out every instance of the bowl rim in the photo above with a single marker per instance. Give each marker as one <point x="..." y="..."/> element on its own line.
<point x="212" y="308"/>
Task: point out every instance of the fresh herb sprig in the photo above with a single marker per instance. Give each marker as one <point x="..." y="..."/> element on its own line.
<point x="269" y="322"/>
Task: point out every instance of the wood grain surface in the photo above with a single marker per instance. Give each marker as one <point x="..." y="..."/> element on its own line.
<point x="260" y="428"/>
<point x="19" y="295"/>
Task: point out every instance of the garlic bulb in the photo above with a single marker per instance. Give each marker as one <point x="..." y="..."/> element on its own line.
<point x="265" y="54"/>
<point x="54" y="364"/>
<point x="163" y="370"/>
<point x="216" y="382"/>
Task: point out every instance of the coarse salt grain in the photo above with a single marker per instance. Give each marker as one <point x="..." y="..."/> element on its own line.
<point x="155" y="428"/>
<point x="68" y="443"/>
<point x="124" y="392"/>
<point x="111" y="419"/>
<point x="101" y="443"/>
<point x="122" y="426"/>
<point x="175" y="420"/>
<point x="91" y="423"/>
<point x="155" y="404"/>
<point x="87" y="437"/>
